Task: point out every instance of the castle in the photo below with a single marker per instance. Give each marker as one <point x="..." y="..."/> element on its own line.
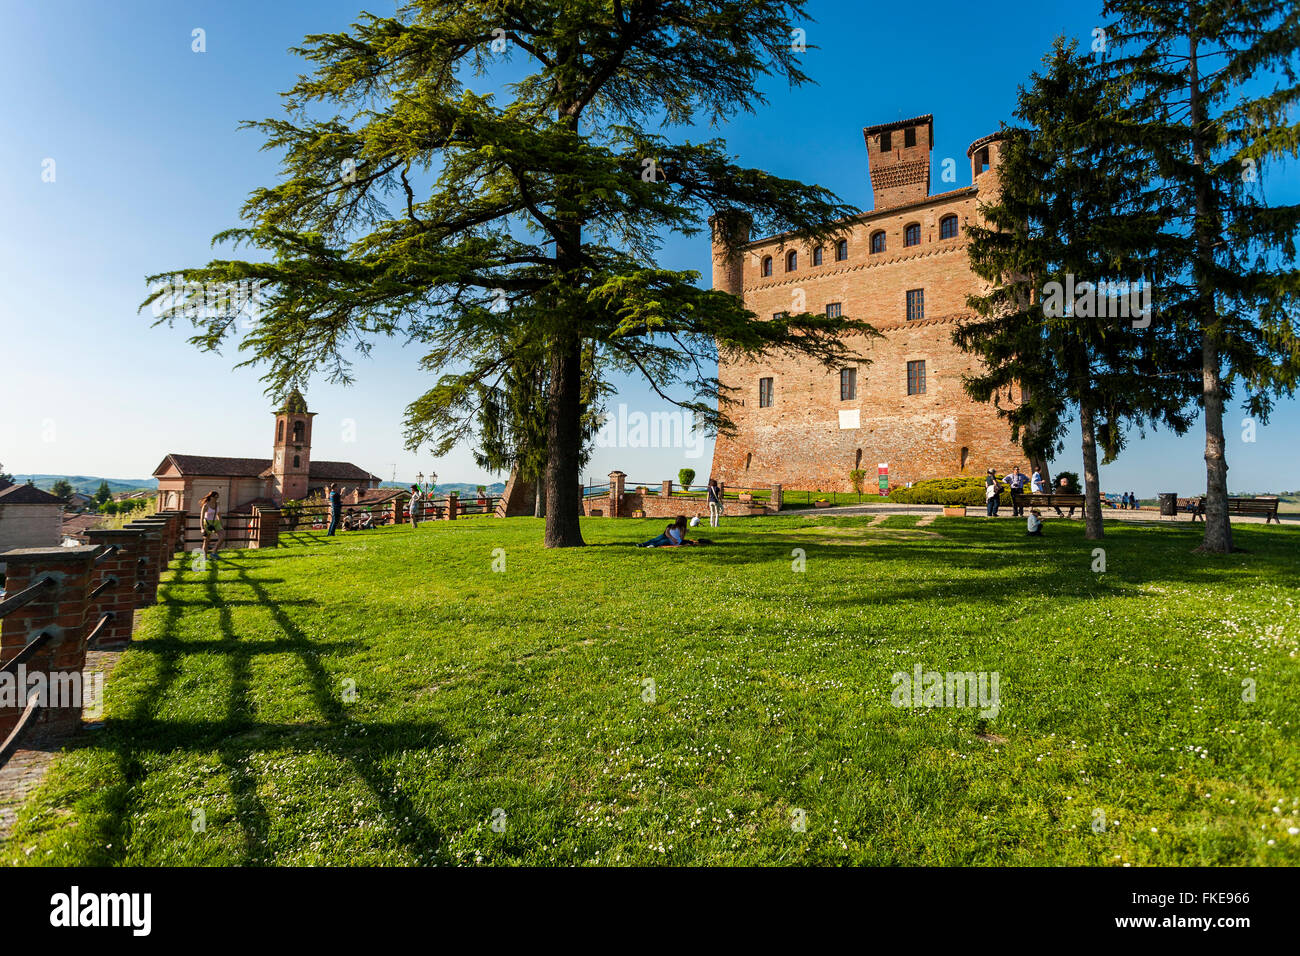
<point x="291" y="474"/>
<point x="902" y="267"/>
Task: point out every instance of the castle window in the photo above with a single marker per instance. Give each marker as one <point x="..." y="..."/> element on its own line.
<point x="778" y="316"/>
<point x="767" y="266"/>
<point x="912" y="234"/>
<point x="878" y="241"/>
<point x="297" y="461"/>
<point x="841" y="250"/>
<point x="848" y="384"/>
<point x="948" y="227"/>
<point x="833" y="310"/>
<point x="817" y="256"/>
<point x="982" y="161"/>
<point x="915" y="304"/>
<point x="297" y="431"/>
<point x="791" y="261"/>
<point x="764" y="393"/>
<point x="909" y="136"/>
<point x="885" y="142"/>
<point x="279" y="430"/>
<point x="916" y="378"/>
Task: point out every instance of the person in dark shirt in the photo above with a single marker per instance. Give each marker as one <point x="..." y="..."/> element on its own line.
<point x="336" y="507"/>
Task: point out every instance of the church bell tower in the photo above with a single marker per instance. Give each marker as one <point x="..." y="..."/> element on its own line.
<point x="291" y="463"/>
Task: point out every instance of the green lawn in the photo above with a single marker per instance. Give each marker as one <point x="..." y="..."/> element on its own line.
<point x="507" y="718"/>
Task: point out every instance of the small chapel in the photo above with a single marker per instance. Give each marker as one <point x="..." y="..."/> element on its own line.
<point x="289" y="475"/>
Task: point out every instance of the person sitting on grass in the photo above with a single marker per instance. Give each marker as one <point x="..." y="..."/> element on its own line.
<point x="674" y="535"/>
<point x="366" y="521"/>
<point x="1035" y="522"/>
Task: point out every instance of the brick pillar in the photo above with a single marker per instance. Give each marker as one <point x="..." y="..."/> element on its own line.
<point x="616" y="479"/>
<point x="148" y="574"/>
<point x="666" y="489"/>
<point x="162" y="550"/>
<point x="121" y="599"/>
<point x="60" y="610"/>
<point x="399" y="506"/>
<point x="268" y="527"/>
<point x="777" y="497"/>
<point x="453" y="505"/>
<point x="176" y="529"/>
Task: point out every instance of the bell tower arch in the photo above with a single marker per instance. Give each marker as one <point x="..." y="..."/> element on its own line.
<point x="291" y="461"/>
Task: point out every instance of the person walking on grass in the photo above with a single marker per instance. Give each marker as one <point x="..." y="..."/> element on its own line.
<point x="210" y="523"/>
<point x="414" y="506"/>
<point x="335" y="501"/>
<point x="991" y="490"/>
<point x="715" y="503"/>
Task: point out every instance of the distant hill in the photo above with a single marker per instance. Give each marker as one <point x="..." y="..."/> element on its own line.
<point x="89" y="484"/>
<point x="461" y="488"/>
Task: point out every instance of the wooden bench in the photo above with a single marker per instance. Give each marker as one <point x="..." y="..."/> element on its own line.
<point x="1236" y="506"/>
<point x="1056" y="502"/>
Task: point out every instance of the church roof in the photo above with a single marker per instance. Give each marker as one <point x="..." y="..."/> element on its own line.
<point x="27" y="495"/>
<point x="192" y="465"/>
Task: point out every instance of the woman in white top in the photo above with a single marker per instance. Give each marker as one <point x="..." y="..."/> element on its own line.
<point x="210" y="522"/>
<point x="1036" y="482"/>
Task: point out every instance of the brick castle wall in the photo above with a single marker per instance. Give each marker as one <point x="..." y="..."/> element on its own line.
<point x="803" y="440"/>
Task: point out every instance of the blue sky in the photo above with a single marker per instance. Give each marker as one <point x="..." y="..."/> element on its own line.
<point x="149" y="164"/>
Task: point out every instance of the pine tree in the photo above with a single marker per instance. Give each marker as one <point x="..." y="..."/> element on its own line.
<point x="1216" y="83"/>
<point x="1066" y="235"/>
<point x="534" y="218"/>
<point x="103" y="493"/>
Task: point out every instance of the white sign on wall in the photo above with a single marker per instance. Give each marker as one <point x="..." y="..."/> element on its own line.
<point x="850" y="418"/>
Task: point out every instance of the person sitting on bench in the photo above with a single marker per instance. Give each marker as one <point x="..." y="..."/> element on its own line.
<point x="1035" y="523"/>
<point x="1063" y="488"/>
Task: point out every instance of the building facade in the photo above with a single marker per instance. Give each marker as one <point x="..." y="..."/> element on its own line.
<point x="289" y="475"/>
<point x="903" y="267"/>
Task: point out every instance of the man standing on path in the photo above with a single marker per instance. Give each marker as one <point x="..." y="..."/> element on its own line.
<point x="336" y="507"/>
<point x="1016" y="481"/>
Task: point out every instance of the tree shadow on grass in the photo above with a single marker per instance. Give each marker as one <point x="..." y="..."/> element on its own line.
<point x="139" y="735"/>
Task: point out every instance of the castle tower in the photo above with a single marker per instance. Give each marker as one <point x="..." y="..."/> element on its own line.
<point x="729" y="230"/>
<point x="291" y="463"/>
<point x="898" y="159"/>
<point x="985" y="155"/>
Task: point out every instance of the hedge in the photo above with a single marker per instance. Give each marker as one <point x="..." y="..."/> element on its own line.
<point x="966" y="490"/>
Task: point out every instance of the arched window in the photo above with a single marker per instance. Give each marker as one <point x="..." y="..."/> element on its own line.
<point x="791" y="261"/>
<point x="841" y="250"/>
<point x="948" y="227"/>
<point x="912" y="234"/>
<point x="817" y="256"/>
<point x="767" y="266"/>
<point x="878" y="241"/>
<point x="279" y="430"/>
<point x="297" y="461"/>
<point x="297" y="431"/>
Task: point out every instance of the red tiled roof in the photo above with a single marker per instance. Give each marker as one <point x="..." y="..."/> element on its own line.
<point x="260" y="467"/>
<point x="28" y="495"/>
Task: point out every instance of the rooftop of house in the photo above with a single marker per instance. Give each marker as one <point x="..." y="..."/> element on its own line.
<point x="27" y="495"/>
<point x="219" y="467"/>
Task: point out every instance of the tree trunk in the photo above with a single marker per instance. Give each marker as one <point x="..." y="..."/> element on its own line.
<point x="1218" y="530"/>
<point x="1092" y="521"/>
<point x="564" y="442"/>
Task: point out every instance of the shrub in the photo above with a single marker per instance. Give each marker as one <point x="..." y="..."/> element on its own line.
<point x="962" y="490"/>
<point x="857" y="476"/>
<point x="686" y="476"/>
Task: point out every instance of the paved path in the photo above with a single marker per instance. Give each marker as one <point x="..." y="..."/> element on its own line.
<point x="24" y="771"/>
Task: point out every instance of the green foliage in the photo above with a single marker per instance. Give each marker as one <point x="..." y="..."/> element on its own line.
<point x="857" y="476"/>
<point x="1215" y="91"/>
<point x="685" y="477"/>
<point x="1071" y="481"/>
<point x="110" y="507"/>
<point x="102" y="494"/>
<point x="62" y="488"/>
<point x="961" y="490"/>
<point x="481" y="232"/>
